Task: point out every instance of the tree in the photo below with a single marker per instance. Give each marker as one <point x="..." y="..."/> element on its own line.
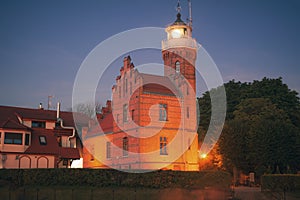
<point x="260" y="136"/>
<point x="88" y="109"/>
<point x="262" y="126"/>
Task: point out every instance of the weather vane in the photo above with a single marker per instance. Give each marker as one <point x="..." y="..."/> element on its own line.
<point x="178" y="7"/>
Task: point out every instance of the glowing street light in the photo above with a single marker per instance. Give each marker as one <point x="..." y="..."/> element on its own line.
<point x="203" y="155"/>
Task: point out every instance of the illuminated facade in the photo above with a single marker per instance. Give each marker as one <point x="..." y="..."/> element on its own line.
<point x="151" y="122"/>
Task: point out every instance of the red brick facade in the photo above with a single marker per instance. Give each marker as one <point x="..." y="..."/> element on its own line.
<point x="151" y="122"/>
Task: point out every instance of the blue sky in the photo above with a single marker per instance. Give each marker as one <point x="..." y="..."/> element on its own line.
<point x="43" y="43"/>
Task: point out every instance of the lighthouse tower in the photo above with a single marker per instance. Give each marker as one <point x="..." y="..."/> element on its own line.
<point x="179" y="51"/>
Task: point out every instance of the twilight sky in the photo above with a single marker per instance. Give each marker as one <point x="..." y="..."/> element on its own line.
<point x="43" y="43"/>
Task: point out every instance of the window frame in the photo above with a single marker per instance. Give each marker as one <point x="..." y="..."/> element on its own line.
<point x="163" y="112"/>
<point x="38" y="124"/>
<point x="42" y="140"/>
<point x="125" y="143"/>
<point x="177" y="67"/>
<point x="163" y="142"/>
<point x="13" y="140"/>
<point x="187" y="112"/>
<point x="27" y="139"/>
<point x="108" y="150"/>
<point x="132" y="114"/>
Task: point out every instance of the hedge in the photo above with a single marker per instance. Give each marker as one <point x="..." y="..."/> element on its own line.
<point x="109" y="178"/>
<point x="280" y="182"/>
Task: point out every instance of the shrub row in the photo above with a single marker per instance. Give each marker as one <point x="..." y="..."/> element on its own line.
<point x="109" y="178"/>
<point x="280" y="182"/>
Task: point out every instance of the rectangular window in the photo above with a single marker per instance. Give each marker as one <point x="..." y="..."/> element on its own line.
<point x="27" y="139"/>
<point x="125" y="146"/>
<point x="132" y="115"/>
<point x="125" y="110"/>
<point x="119" y="91"/>
<point x="13" y="138"/>
<point x="108" y="150"/>
<point x="187" y="112"/>
<point x="163" y="146"/>
<point x="38" y="124"/>
<point x="163" y="112"/>
<point x="43" y="140"/>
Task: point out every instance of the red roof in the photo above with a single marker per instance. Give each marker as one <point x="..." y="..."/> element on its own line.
<point x="12" y="124"/>
<point x="70" y="153"/>
<point x="39" y="114"/>
<point x="9" y="119"/>
<point x="51" y="147"/>
<point x="36" y="147"/>
<point x="161" y="85"/>
<point x="106" y="124"/>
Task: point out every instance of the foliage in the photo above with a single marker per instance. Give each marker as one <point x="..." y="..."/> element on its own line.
<point x="262" y="128"/>
<point x="108" y="177"/>
<point x="87" y="108"/>
<point x="280" y="182"/>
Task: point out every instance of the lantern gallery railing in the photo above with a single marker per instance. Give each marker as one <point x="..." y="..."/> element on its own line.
<point x="179" y="42"/>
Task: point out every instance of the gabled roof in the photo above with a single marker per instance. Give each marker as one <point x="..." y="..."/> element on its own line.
<point x="161" y="85"/>
<point x="12" y="124"/>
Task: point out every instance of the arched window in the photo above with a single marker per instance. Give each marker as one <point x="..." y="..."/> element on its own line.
<point x="177" y="67"/>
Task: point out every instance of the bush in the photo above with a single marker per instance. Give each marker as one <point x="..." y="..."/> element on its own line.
<point x="281" y="182"/>
<point x="114" y="178"/>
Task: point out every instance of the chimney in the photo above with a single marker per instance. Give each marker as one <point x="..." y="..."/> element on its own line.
<point x="41" y="106"/>
<point x="57" y="110"/>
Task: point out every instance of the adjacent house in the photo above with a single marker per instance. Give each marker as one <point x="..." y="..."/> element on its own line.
<point x="38" y="138"/>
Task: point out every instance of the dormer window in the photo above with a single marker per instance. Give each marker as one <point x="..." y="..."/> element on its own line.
<point x="43" y="140"/>
<point x="38" y="124"/>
